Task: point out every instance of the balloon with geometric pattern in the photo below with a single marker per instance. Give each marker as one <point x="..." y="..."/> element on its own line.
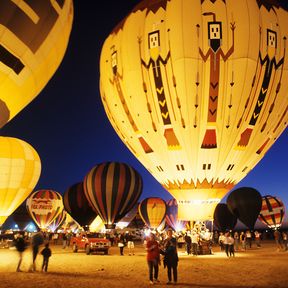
<point x="44" y="206"/>
<point x="153" y="211"/>
<point x="272" y="211"/>
<point x="33" y="39"/>
<point x="20" y="169"/>
<point x="197" y="91"/>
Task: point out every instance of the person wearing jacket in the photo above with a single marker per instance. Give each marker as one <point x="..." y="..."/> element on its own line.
<point x="171" y="257"/>
<point x="153" y="258"/>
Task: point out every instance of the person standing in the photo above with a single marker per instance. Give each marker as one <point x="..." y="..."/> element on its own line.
<point x="121" y="243"/>
<point x="231" y="242"/>
<point x="226" y="242"/>
<point x="153" y="258"/>
<point x="249" y="238"/>
<point x="257" y="238"/>
<point x="277" y="236"/>
<point x="37" y="240"/>
<point x="20" y="245"/>
<point x="243" y="240"/>
<point x="236" y="241"/>
<point x="64" y="240"/>
<point x="171" y="257"/>
<point x="194" y="242"/>
<point x="285" y="240"/>
<point x="188" y="242"/>
<point x="46" y="252"/>
<point x="130" y="244"/>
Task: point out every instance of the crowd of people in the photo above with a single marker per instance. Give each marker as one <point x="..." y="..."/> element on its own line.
<point x="161" y="248"/>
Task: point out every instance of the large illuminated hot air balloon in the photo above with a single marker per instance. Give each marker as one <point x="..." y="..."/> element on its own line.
<point x="113" y="189"/>
<point x="44" y="206"/>
<point x="77" y="205"/>
<point x="172" y="216"/>
<point x="272" y="211"/>
<point x="153" y="211"/>
<point x="34" y="37"/>
<point x="197" y="92"/>
<point x="20" y="169"/>
<point x="245" y="203"/>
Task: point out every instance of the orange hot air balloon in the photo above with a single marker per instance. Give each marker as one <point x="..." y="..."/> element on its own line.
<point x="153" y="211"/>
<point x="33" y="39"/>
<point x="197" y="90"/>
<point x="20" y="169"/>
<point x="44" y="206"/>
<point x="272" y="211"/>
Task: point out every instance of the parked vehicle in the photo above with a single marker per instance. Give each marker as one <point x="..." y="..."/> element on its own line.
<point x="6" y="240"/>
<point x="90" y="242"/>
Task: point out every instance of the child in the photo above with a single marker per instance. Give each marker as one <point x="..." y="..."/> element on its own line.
<point x="46" y="252"/>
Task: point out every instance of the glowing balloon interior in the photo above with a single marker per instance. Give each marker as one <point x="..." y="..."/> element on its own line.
<point x="197" y="92"/>
<point x="20" y="169"/>
<point x="44" y="207"/>
<point x="33" y="41"/>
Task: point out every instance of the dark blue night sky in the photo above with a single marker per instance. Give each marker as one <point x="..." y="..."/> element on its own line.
<point x="68" y="127"/>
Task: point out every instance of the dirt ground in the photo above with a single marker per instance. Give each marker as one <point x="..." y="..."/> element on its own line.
<point x="264" y="267"/>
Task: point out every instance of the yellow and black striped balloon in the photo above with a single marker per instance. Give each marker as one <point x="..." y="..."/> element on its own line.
<point x="153" y="211"/>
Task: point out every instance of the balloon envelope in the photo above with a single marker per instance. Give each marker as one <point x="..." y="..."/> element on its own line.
<point x="33" y="39"/>
<point x="272" y="211"/>
<point x="223" y="218"/>
<point x="198" y="108"/>
<point x="245" y="203"/>
<point x="77" y="205"/>
<point x="172" y="216"/>
<point x="44" y="206"/>
<point x="58" y="221"/>
<point x="20" y="169"/>
<point x="153" y="211"/>
<point x="112" y="189"/>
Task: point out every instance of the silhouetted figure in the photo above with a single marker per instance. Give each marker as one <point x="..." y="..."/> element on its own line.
<point x="36" y="241"/>
<point x="46" y="252"/>
<point x="171" y="257"/>
<point x="20" y="245"/>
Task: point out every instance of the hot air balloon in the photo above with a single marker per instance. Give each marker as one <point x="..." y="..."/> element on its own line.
<point x="20" y="169"/>
<point x="44" y="206"/>
<point x="191" y="98"/>
<point x="153" y="211"/>
<point x="223" y="218"/>
<point x="112" y="189"/>
<point x="245" y="203"/>
<point x="34" y="37"/>
<point x="272" y="211"/>
<point x="77" y="205"/>
<point x="172" y="216"/>
<point x="58" y="221"/>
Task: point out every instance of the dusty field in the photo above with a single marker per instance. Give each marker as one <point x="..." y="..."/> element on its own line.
<point x="264" y="267"/>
